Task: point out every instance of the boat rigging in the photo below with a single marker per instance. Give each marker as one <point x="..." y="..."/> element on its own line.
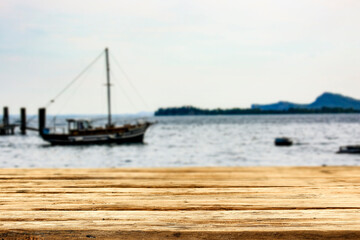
<point x="81" y="131"/>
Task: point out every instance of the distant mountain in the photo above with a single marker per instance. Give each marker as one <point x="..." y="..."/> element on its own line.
<point x="325" y="103"/>
<point x="335" y="100"/>
<point x="329" y="100"/>
<point x="280" y="106"/>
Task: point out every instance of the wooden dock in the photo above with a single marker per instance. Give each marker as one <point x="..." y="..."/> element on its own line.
<point x="8" y="129"/>
<point x="181" y="203"/>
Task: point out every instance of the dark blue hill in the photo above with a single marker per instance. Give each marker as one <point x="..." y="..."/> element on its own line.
<point x="328" y="100"/>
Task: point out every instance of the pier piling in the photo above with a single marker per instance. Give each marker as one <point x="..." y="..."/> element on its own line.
<point x="23" y="121"/>
<point x="6" y="128"/>
<point x="6" y="116"/>
<point x="42" y="120"/>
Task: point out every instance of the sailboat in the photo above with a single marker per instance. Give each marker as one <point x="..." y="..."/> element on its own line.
<point x="81" y="131"/>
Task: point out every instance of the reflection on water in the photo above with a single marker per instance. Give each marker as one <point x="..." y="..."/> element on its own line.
<point x="203" y="141"/>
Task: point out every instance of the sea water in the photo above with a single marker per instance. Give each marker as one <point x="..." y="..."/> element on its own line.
<point x="245" y="140"/>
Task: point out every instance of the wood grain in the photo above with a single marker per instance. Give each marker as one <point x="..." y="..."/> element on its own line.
<point x="181" y="203"/>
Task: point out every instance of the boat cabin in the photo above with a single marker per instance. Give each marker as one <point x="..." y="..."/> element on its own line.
<point x="78" y="125"/>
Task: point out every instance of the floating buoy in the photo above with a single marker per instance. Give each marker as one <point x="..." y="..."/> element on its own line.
<point x="283" y="141"/>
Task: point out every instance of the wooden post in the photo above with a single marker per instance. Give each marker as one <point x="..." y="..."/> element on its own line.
<point x="6" y="130"/>
<point x="6" y="116"/>
<point x="42" y="120"/>
<point x="23" y="121"/>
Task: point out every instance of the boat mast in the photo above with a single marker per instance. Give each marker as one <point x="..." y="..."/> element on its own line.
<point x="108" y="85"/>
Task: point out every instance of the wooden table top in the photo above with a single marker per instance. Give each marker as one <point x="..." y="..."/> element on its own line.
<point x="181" y="203"/>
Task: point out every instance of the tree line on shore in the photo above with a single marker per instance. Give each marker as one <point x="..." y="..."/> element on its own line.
<point x="190" y="110"/>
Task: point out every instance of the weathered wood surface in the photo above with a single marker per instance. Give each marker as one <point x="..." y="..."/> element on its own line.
<point x="181" y="203"/>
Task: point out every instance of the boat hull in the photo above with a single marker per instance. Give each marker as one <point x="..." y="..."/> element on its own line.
<point x="122" y="136"/>
<point x="354" y="149"/>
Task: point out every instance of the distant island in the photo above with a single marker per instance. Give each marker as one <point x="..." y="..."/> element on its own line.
<point x="325" y="103"/>
<point x="325" y="100"/>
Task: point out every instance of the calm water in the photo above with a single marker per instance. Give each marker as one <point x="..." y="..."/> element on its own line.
<point x="203" y="141"/>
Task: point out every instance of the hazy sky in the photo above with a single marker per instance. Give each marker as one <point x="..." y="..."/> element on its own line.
<point x="204" y="53"/>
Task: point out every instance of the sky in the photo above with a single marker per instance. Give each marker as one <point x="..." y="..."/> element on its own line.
<point x="205" y="53"/>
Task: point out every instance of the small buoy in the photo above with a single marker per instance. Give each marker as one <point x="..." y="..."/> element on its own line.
<point x="283" y="141"/>
<point x="349" y="149"/>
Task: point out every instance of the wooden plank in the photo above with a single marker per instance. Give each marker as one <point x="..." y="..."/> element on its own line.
<point x="197" y="221"/>
<point x="181" y="203"/>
